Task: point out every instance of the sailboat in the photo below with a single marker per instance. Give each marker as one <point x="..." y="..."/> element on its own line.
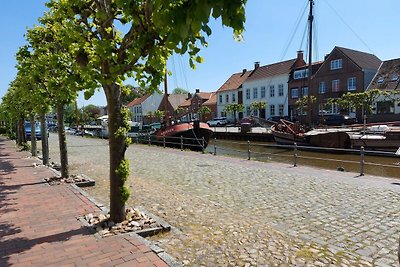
<point x="286" y="132"/>
<point x="193" y="135"/>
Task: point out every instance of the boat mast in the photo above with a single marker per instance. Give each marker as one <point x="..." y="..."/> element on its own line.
<point x="166" y="117"/>
<point x="309" y="103"/>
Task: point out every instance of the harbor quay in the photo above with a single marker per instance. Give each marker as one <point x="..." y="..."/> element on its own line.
<point x="228" y="211"/>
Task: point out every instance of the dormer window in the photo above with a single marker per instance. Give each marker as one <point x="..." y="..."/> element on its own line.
<point x="300" y="74"/>
<point x="395" y="77"/>
<point x="336" y="64"/>
<point x="381" y="80"/>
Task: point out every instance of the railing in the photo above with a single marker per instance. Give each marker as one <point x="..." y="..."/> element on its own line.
<point x="172" y="141"/>
<point x="248" y="150"/>
<point x="295" y="155"/>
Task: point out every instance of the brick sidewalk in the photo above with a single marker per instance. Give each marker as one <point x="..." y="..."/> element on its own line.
<point x="38" y="225"/>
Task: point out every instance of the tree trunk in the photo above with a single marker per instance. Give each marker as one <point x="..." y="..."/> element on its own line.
<point x="21" y="138"/>
<point x="45" y="140"/>
<point x="33" y="135"/>
<point x="117" y="148"/>
<point x="62" y="141"/>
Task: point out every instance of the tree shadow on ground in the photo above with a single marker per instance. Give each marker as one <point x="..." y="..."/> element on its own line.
<point x="11" y="246"/>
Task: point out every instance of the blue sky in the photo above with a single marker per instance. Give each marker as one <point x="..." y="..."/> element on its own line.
<point x="365" y="25"/>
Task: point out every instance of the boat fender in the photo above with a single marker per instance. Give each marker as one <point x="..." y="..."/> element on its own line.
<point x="341" y="169"/>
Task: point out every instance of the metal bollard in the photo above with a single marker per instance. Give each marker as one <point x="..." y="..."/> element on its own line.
<point x="362" y="151"/>
<point x="295" y="155"/>
<point x="137" y="139"/>
<point x="202" y="145"/>
<point x="181" y="143"/>
<point x="248" y="150"/>
<point x="215" y="146"/>
<point x="149" y="140"/>
<point x="164" y="140"/>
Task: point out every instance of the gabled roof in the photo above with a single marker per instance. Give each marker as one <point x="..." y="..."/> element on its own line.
<point x="187" y="103"/>
<point x="138" y="101"/>
<point x="362" y="59"/>
<point x="235" y="81"/>
<point x="212" y="100"/>
<point x="387" y="77"/>
<point x="204" y="96"/>
<point x="271" y="70"/>
<point x="176" y="100"/>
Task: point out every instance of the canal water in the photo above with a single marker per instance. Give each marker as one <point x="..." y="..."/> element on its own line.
<point x="264" y="151"/>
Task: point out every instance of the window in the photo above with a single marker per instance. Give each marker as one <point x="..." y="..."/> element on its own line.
<point x="248" y="93"/>
<point x="248" y="111"/>
<point x="336" y="64"/>
<point x="304" y="91"/>
<point x="322" y="87"/>
<point x="381" y="80"/>
<point x="227" y="98"/>
<point x="281" y="108"/>
<point x="272" y="110"/>
<point x="272" y="91"/>
<point x="255" y="93"/>
<point x="220" y="99"/>
<point x="280" y="89"/>
<point x="395" y="77"/>
<point x="335" y="85"/>
<point x="262" y="91"/>
<point x="300" y="74"/>
<point x="384" y="107"/>
<point x="233" y="97"/>
<point x="295" y="92"/>
<point x="351" y="84"/>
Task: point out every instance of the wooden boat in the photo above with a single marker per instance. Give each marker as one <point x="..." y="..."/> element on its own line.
<point x="287" y="133"/>
<point x="377" y="137"/>
<point x="189" y="135"/>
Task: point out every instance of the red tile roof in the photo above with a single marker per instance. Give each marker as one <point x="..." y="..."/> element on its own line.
<point x="235" y="81"/>
<point x="187" y="103"/>
<point x="212" y="100"/>
<point x="138" y="101"/>
<point x="204" y="96"/>
<point x="275" y="69"/>
<point x="388" y="76"/>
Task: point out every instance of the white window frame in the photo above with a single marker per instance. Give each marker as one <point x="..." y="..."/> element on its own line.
<point x="233" y="97"/>
<point x="227" y="98"/>
<point x="296" y="95"/>
<point x="322" y="87"/>
<point x="247" y="93"/>
<point x="304" y="91"/>
<point x="351" y="84"/>
<point x="220" y="99"/>
<point x="262" y="91"/>
<point x="255" y="93"/>
<point x="281" y="109"/>
<point x="280" y="89"/>
<point x="272" y="110"/>
<point x="336" y="82"/>
<point x="272" y="91"/>
<point x="336" y="64"/>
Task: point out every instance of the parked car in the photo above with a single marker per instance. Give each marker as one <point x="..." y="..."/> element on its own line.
<point x="337" y="119"/>
<point x="28" y="131"/>
<point x="219" y="121"/>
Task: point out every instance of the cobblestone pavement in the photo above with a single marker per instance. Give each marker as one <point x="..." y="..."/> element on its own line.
<point x="234" y="212"/>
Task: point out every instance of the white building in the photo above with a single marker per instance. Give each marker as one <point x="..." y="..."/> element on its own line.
<point x="229" y="93"/>
<point x="268" y="83"/>
<point x="142" y="107"/>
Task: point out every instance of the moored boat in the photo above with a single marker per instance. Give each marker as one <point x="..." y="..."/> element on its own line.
<point x="194" y="135"/>
<point x="377" y="137"/>
<point x="287" y="133"/>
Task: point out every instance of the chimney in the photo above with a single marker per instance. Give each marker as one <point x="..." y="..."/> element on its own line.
<point x="300" y="59"/>
<point x="197" y="90"/>
<point x="256" y="65"/>
<point x="244" y="71"/>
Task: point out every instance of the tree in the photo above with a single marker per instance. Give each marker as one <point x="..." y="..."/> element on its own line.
<point x="257" y="106"/>
<point x="364" y="100"/>
<point x="303" y="102"/>
<point x="203" y="110"/>
<point x="129" y="93"/>
<point x="180" y="91"/>
<point x="153" y="30"/>
<point x="234" y="108"/>
<point x="159" y="114"/>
